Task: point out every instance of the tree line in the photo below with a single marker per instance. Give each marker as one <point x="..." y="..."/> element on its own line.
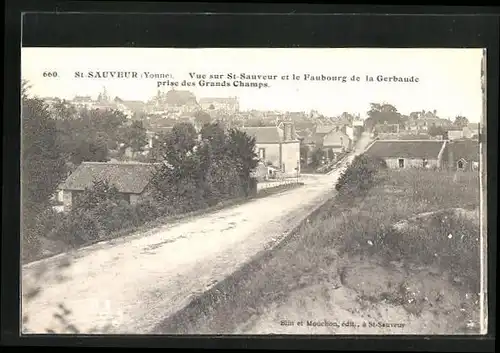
<point x="384" y="113"/>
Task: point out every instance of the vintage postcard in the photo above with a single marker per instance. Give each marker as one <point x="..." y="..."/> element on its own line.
<point x="253" y="191"/>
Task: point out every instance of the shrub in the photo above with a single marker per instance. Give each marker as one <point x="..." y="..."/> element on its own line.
<point x="360" y="175"/>
<point x="147" y="211"/>
<point x="112" y="216"/>
<point x="78" y="228"/>
<point x="41" y="226"/>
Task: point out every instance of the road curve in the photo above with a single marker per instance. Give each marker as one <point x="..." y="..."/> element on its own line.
<point x="128" y="285"/>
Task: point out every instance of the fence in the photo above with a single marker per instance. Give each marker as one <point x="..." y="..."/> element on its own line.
<point x="277" y="182"/>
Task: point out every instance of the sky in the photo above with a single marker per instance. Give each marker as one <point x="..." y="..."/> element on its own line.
<point x="448" y="79"/>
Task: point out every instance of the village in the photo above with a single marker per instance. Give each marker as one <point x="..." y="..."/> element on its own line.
<point x="195" y="188"/>
<point x="287" y="144"/>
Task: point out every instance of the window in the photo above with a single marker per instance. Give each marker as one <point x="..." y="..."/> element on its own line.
<point x="262" y="153"/>
<point x="425" y="162"/>
<point x="461" y="164"/>
<point x="401" y="163"/>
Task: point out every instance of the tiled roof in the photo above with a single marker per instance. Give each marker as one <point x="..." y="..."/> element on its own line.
<point x="324" y="129"/>
<point x="405" y="148"/>
<point x="466" y="149"/>
<point x="265" y="134"/>
<point x="127" y="177"/>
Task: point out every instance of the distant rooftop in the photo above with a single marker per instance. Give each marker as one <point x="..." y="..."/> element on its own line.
<point x="265" y="134"/>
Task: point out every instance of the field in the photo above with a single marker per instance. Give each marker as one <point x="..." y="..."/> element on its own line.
<point x="349" y="271"/>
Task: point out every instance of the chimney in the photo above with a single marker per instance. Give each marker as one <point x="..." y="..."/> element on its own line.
<point x="287" y="131"/>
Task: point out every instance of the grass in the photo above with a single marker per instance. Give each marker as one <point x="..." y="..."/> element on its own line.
<point x="342" y="229"/>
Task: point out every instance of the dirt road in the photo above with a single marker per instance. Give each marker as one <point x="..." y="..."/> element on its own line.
<point x="128" y="285"/>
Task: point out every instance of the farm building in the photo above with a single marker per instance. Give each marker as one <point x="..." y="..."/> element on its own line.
<point x="462" y="155"/>
<point x="131" y="179"/>
<point x="409" y="153"/>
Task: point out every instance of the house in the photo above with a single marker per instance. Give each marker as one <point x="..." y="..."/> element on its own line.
<point x="462" y="155"/>
<point x="358" y="122"/>
<point x="83" y="101"/>
<point x="425" y="122"/>
<point x="335" y="143"/>
<point x="277" y="147"/>
<point x="471" y="130"/>
<point x="332" y="139"/>
<point x="409" y="153"/>
<point x="386" y="128"/>
<point x="230" y="104"/>
<point x="455" y="134"/>
<point x="131" y="179"/>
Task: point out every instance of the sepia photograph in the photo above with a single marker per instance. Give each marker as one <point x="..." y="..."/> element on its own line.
<point x="264" y="191"/>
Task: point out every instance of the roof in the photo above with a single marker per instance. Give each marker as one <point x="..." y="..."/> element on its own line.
<point x="324" y="129"/>
<point x="466" y="149"/>
<point x="224" y="100"/>
<point x="473" y="126"/>
<point x="265" y="134"/>
<point x="82" y="99"/>
<point x="405" y="148"/>
<point x="340" y="134"/>
<point x="127" y="177"/>
<point x="136" y="106"/>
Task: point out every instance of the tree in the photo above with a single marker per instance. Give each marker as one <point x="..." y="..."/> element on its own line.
<point x="134" y="136"/>
<point x="215" y="135"/>
<point x="437" y="130"/>
<point x="242" y="153"/>
<point x="316" y="157"/>
<point x="90" y="150"/>
<point x="64" y="110"/>
<point x="461" y="121"/>
<point x="383" y="114"/>
<point x="42" y="159"/>
<point x="347" y="117"/>
<point x="304" y="153"/>
<point x="202" y="118"/>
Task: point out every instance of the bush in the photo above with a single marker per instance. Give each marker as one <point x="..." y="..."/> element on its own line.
<point x="201" y="173"/>
<point x="360" y="175"/>
<point x="42" y="225"/>
<point x="112" y="216"/>
<point x="147" y="211"/>
<point x="78" y="228"/>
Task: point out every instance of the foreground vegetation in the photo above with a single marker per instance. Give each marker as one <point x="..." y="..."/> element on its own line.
<point x="351" y="250"/>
